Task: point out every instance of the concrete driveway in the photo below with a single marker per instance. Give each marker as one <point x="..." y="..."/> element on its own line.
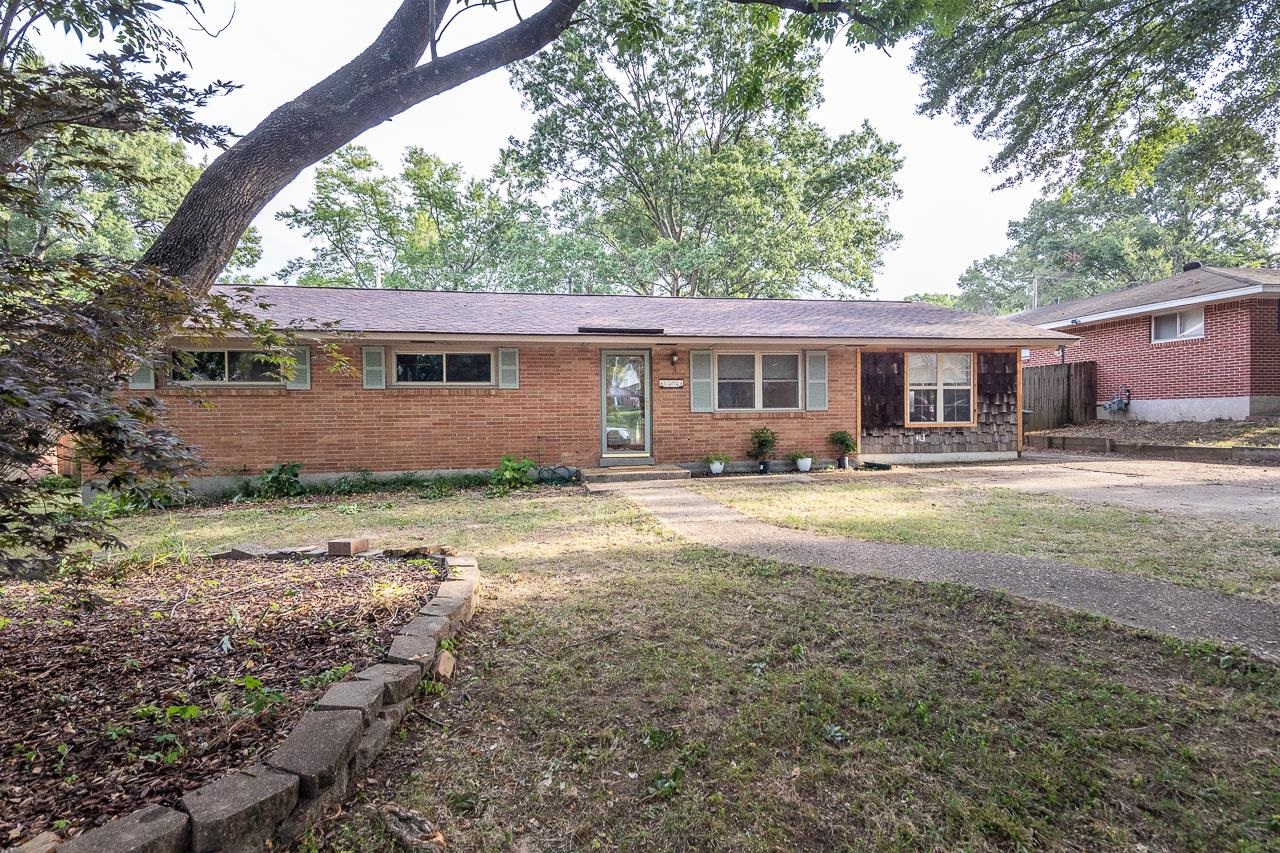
<point x="1248" y="493"/>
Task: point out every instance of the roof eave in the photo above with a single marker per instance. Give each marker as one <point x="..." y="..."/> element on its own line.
<point x="1167" y="305"/>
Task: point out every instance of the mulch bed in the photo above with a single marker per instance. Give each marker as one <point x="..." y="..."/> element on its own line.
<point x="121" y="692"/>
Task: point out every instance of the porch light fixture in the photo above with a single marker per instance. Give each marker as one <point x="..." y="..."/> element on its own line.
<point x="675" y="358"/>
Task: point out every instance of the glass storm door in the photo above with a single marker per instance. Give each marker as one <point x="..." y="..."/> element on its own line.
<point x="624" y="403"/>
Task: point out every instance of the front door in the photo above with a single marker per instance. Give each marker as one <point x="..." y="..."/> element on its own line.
<point x="624" y="404"/>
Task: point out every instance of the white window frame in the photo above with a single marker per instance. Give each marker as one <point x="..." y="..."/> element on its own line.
<point x="1181" y="336"/>
<point x="759" y="379"/>
<point x="937" y="386"/>
<point x="226" y="381"/>
<point x="444" y="368"/>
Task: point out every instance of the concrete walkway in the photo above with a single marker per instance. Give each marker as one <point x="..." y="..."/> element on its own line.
<point x="1132" y="600"/>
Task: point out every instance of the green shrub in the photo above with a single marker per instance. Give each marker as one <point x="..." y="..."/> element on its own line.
<point x="279" y="481"/>
<point x="843" y="441"/>
<point x="799" y="454"/>
<point x="716" y="457"/>
<point x="512" y="474"/>
<point x="763" y="441"/>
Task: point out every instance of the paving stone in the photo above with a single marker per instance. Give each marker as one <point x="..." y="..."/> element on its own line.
<point x="318" y="748"/>
<point x="239" y="811"/>
<point x="371" y="745"/>
<point x="395" y="714"/>
<point x="412" y="650"/>
<point x="446" y="607"/>
<point x="45" y="842"/>
<point x="436" y="627"/>
<point x="398" y="680"/>
<point x="442" y="670"/>
<point x="150" y="829"/>
<point x="362" y="696"/>
<point x="250" y="551"/>
<point x="347" y="547"/>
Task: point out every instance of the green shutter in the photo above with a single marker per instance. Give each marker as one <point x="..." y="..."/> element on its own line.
<point x="815" y="374"/>
<point x="702" y="392"/>
<point x="375" y="367"/>
<point x="508" y="368"/>
<point x="144" y="378"/>
<point x="301" y="380"/>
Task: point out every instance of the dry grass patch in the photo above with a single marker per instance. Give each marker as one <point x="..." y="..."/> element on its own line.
<point x="1220" y="433"/>
<point x="1238" y="559"/>
<point x="620" y="690"/>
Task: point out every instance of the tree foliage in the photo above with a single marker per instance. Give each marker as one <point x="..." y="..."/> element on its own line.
<point x="1096" y="237"/>
<point x="691" y="161"/>
<point x="1075" y="87"/>
<point x="426" y="227"/>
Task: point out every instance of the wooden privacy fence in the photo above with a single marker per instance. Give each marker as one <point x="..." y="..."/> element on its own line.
<point x="1057" y="394"/>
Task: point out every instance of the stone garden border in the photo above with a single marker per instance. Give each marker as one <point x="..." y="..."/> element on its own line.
<point x="1176" y="452"/>
<point x="314" y="767"/>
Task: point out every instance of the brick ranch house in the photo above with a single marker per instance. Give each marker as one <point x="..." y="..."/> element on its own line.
<point x="1199" y="345"/>
<point x="452" y="381"/>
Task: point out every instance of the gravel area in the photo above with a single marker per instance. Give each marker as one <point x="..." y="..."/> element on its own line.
<point x="1168" y="608"/>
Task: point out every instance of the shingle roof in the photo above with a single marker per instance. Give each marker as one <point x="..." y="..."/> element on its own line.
<point x="525" y="314"/>
<point x="1202" y="282"/>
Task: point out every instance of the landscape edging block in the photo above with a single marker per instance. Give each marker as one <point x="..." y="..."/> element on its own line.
<point x="248" y="807"/>
<point x="150" y="829"/>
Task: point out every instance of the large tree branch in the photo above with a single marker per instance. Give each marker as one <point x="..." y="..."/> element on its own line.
<point x="377" y="85"/>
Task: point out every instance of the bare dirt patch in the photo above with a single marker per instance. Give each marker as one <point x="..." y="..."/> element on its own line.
<point x="131" y="690"/>
<point x="1221" y="433"/>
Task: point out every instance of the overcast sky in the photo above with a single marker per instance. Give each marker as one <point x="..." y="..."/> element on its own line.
<point x="948" y="216"/>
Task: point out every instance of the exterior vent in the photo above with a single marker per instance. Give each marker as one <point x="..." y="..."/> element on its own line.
<point x="1191" y="265"/>
<point x="616" y="330"/>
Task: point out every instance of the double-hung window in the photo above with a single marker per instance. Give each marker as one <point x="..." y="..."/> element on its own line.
<point x="757" y="381"/>
<point x="444" y="368"/>
<point x="1178" y="326"/>
<point x="212" y="366"/>
<point x="939" y="388"/>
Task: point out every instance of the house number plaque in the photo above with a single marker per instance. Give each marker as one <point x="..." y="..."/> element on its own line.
<point x="670" y="383"/>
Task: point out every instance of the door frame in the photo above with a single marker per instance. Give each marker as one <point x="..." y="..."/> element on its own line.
<point x="613" y="455"/>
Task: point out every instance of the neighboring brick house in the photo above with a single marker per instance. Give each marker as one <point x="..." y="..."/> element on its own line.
<point x="1200" y="345"/>
<point x="453" y="381"/>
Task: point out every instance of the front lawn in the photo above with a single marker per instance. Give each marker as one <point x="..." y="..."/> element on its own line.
<point x="1238" y="559"/>
<point x="621" y="689"/>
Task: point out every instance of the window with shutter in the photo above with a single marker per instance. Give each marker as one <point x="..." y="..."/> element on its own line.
<point x="375" y="368"/>
<point x="508" y="368"/>
<point x="702" y="391"/>
<point x="815" y="373"/>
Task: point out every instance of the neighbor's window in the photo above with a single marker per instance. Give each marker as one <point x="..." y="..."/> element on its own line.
<point x="757" y="380"/>
<point x="448" y="368"/>
<point x="939" y="388"/>
<point x="223" y="366"/>
<point x="1178" y="326"/>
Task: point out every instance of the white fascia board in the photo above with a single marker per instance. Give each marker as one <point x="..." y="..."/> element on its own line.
<point x="1169" y="305"/>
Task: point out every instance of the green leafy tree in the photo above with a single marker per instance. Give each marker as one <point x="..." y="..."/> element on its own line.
<point x="1072" y="87"/>
<point x="1097" y="237"/>
<point x="690" y="159"/>
<point x="427" y="227"/>
<point x="946" y="300"/>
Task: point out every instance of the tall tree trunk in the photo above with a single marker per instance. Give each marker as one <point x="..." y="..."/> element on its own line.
<point x="380" y="83"/>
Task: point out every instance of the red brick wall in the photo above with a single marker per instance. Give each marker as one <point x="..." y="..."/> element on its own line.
<point x="553" y="417"/>
<point x="1217" y="365"/>
<point x="1265" y="345"/>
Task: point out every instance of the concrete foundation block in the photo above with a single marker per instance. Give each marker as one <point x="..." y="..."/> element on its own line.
<point x="151" y="829"/>
<point x="398" y="680"/>
<point x="239" y="812"/>
<point x="419" y="651"/>
<point x="319" y="747"/>
<point x="362" y="696"/>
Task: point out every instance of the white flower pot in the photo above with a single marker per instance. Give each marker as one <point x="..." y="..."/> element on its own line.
<point x="803" y="465"/>
<point x="717" y="467"/>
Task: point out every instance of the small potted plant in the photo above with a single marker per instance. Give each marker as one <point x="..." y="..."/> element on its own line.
<point x="763" y="441"/>
<point x="845" y="444"/>
<point x="803" y="460"/>
<point x="716" y="462"/>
